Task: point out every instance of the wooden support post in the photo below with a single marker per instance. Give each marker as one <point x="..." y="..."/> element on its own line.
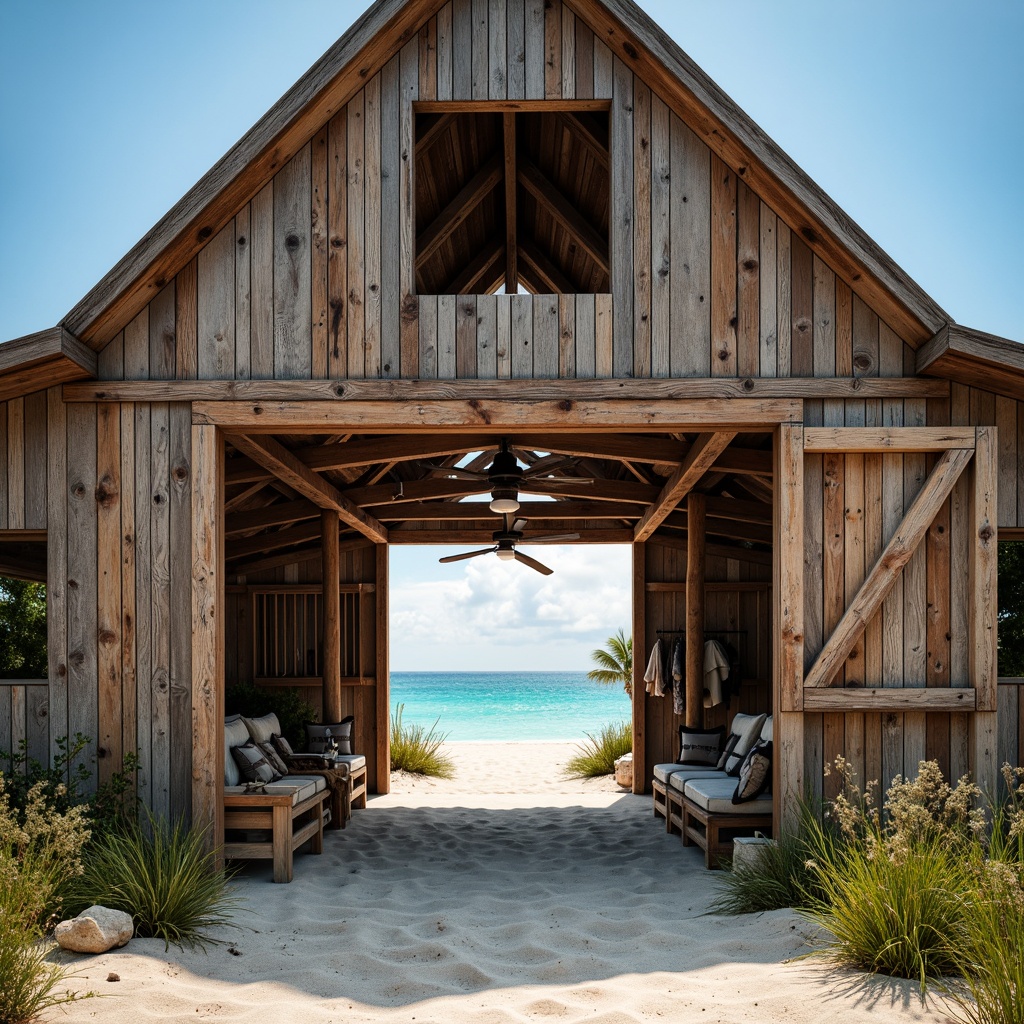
<point x="640" y="772"/>
<point x="330" y="525"/>
<point x="208" y="635"/>
<point x="788" y="618"/>
<point x="383" y="672"/>
<point x="511" y="241"/>
<point x="982" y="611"/>
<point x="695" y="575"/>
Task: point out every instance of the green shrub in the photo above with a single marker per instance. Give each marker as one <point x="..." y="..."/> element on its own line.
<point x="597" y="756"/>
<point x="418" y="750"/>
<point x="160" y="874"/>
<point x="891" y="880"/>
<point x="781" y="876"/>
<point x="66" y="782"/>
<point x="989" y="952"/>
<point x="38" y="848"/>
<point x="292" y="710"/>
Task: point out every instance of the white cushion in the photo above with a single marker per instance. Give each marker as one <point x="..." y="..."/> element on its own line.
<point x="354" y="761"/>
<point x="715" y="795"/>
<point x="678" y="780"/>
<point x="235" y="734"/>
<point x="299" y="786"/>
<point x="663" y="771"/>
<point x="261" y="729"/>
<point x="767" y="730"/>
<point x="747" y="728"/>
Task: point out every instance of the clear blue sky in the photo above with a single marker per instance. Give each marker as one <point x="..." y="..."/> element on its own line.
<point x="910" y="114"/>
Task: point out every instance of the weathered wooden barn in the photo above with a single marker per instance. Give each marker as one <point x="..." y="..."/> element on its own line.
<point x="532" y="221"/>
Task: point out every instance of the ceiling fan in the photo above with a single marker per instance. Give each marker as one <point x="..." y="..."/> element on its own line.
<point x="505" y="541"/>
<point x="505" y="476"/>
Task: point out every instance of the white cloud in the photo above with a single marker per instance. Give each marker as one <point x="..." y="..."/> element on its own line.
<point x="488" y="614"/>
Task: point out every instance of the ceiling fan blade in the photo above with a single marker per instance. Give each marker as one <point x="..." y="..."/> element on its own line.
<point x="541" y="469"/>
<point x="553" y="538"/>
<point x="518" y="526"/>
<point x="533" y="563"/>
<point x="466" y="554"/>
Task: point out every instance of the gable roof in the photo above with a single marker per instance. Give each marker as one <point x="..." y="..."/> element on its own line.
<point x="41" y="360"/>
<point x="381" y="33"/>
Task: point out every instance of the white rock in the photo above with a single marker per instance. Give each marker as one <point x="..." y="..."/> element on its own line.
<point x="95" y="930"/>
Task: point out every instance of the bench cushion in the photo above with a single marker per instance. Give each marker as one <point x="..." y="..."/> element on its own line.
<point x="354" y="761"/>
<point x="663" y="771"/>
<point x="715" y="796"/>
<point x="235" y="734"/>
<point x="300" y="787"/>
<point x="678" y="780"/>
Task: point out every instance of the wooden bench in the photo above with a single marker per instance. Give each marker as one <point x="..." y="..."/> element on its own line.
<point x="660" y="792"/>
<point x="288" y="826"/>
<point x="697" y="826"/>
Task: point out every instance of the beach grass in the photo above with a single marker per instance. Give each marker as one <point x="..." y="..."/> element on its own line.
<point x="417" y="750"/>
<point x="598" y="754"/>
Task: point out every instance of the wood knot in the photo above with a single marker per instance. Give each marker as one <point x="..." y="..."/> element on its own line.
<point x="292" y="242"/>
<point x="106" y="493"/>
<point x="630" y="51"/>
<point x="107" y="637"/>
<point x="257" y="410"/>
<point x="180" y="472"/>
<point x="241" y="239"/>
<point x="985" y="534"/>
<point x="747" y="384"/>
<point x="204" y="233"/>
<point x="749" y="264"/>
<point x="565" y="405"/>
<point x="810" y="234"/>
<point x="339" y="390"/>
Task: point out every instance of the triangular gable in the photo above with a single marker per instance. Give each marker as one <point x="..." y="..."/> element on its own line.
<point x="380" y="34"/>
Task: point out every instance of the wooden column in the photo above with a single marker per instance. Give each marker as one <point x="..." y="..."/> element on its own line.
<point x="983" y="611"/>
<point x="640" y="772"/>
<point x="330" y="562"/>
<point x="383" y="672"/>
<point x="788" y="628"/>
<point x="208" y="634"/>
<point x="695" y="574"/>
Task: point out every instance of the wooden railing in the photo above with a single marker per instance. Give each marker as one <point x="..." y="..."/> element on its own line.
<point x="287" y="632"/>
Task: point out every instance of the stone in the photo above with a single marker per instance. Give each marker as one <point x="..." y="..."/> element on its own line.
<point x="95" y="930"/>
<point x="748" y="850"/>
<point x="624" y="771"/>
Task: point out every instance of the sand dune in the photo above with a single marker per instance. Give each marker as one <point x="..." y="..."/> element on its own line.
<point x="505" y="895"/>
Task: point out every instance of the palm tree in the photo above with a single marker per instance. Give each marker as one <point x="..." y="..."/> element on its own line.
<point x="615" y="662"/>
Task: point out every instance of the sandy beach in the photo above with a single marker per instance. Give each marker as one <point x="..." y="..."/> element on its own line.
<point x="507" y="894"/>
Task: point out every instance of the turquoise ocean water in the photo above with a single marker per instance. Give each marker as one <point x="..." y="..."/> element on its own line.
<point x="508" y="705"/>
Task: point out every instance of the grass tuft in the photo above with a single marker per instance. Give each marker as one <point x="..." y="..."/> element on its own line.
<point x="417" y="750"/>
<point x="597" y="756"/>
<point x="163" y="876"/>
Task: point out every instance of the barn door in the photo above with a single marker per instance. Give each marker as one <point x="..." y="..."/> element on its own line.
<point x="887" y="607"/>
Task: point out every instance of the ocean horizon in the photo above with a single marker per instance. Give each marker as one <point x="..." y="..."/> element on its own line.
<point x="508" y="705"/>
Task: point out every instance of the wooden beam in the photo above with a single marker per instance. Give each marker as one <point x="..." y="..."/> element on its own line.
<point x="741" y="511"/>
<point x="550" y="197"/>
<point x="700" y="458"/>
<point x="482" y="538"/>
<point x="468" y="198"/>
<point x="889" y="699"/>
<point x="330" y="526"/>
<point x="678" y="541"/>
<point x="982" y="588"/>
<point x="277" y="459"/>
<point x="511" y="240"/>
<point x="247" y="492"/>
<point x="887" y="439"/>
<point x="540" y="272"/>
<point x="500" y="106"/>
<point x="641" y="771"/>
<point x="733" y="529"/>
<point x="22" y="536"/>
<point x="682" y="388"/>
<point x="883" y="575"/>
<point x="311" y="552"/>
<point x="499" y="417"/>
<point x="470" y="510"/>
<point x="437" y="128"/>
<point x="41" y="360"/>
<point x="271" y="515"/>
<point x="482" y="274"/>
<point x="382" y="693"/>
<point x="585" y="137"/>
<point x="696" y="551"/>
<point x="247" y="546"/>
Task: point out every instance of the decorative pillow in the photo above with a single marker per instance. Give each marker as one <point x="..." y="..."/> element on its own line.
<point x="755" y="774"/>
<point x="730" y="742"/>
<point x="747" y="729"/>
<point x="252" y="764"/>
<point x="700" y="746"/>
<point x="274" y="759"/>
<point x="282" y="746"/>
<point x="319" y="736"/>
<point x="261" y="729"/>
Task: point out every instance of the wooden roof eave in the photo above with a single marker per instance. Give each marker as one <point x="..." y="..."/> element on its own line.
<point x="641" y="43"/>
<point x="41" y="360"/>
<point x="973" y="357"/>
<point x="319" y="94"/>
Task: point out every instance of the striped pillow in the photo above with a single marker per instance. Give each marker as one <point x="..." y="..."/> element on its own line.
<point x="252" y="764"/>
<point x="755" y="774"/>
<point x="700" y="746"/>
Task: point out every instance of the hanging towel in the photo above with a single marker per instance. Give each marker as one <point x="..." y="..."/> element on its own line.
<point x="654" y="677"/>
<point x="716" y="672"/>
<point x="678" y="675"/>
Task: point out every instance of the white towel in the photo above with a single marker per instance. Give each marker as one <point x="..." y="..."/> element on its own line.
<point x="716" y="671"/>
<point x="653" y="676"/>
